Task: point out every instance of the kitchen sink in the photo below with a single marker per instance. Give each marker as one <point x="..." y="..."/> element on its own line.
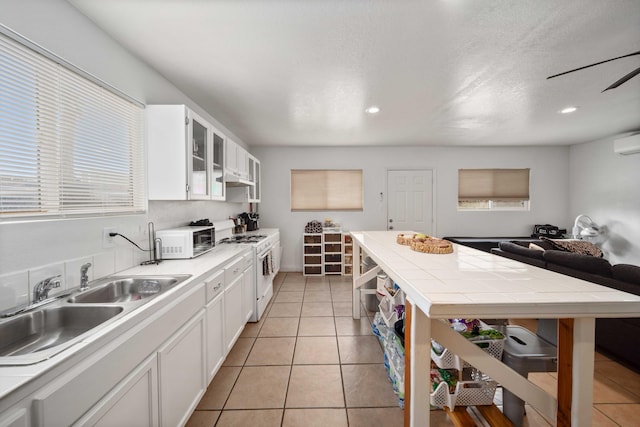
<point x="127" y="289"/>
<point x="37" y="333"/>
<point x="50" y="327"/>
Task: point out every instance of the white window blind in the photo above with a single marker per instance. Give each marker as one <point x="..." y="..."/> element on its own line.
<point x="321" y="189"/>
<point x="493" y="188"/>
<point x="67" y="145"/>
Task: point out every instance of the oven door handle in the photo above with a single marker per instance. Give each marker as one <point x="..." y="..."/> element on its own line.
<point x="261" y="259"/>
<point x="264" y="253"/>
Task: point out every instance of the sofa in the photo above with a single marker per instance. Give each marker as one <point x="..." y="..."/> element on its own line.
<point x="618" y="338"/>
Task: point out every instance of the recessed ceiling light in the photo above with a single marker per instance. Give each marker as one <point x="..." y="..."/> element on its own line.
<point x="372" y="110"/>
<point x="568" y="110"/>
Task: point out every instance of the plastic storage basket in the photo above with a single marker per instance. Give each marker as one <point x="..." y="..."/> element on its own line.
<point x="449" y="360"/>
<point x="467" y="393"/>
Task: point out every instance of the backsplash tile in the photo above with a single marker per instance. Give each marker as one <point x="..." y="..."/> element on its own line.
<point x="14" y="290"/>
<point x="103" y="264"/>
<point x="38" y="274"/>
<point x="124" y="259"/>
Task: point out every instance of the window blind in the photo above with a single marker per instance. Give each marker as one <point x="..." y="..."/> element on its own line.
<point x="322" y="189"/>
<point x="493" y="184"/>
<point x="68" y="146"/>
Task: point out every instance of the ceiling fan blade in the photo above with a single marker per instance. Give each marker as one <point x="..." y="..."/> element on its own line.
<point x="593" y="65"/>
<point x="624" y="79"/>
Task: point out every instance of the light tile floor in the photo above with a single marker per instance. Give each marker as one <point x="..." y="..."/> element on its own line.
<point x="308" y="363"/>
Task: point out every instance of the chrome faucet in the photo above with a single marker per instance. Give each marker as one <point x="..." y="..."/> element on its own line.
<point x="84" y="277"/>
<point x="41" y="291"/>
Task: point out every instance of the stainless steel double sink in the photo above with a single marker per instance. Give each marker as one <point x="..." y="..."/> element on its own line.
<point x="36" y="335"/>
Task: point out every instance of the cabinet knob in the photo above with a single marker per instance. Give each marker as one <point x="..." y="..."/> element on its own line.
<point x="391" y="227"/>
<point x="390" y="220"/>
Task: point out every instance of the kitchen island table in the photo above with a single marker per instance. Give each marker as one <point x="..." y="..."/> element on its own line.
<point x="469" y="283"/>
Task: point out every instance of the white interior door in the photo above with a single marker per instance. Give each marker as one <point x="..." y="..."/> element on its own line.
<point x="410" y="201"/>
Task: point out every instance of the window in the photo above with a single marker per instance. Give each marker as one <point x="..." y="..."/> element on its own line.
<point x="493" y="189"/>
<point x="68" y="146"/>
<point x="326" y="190"/>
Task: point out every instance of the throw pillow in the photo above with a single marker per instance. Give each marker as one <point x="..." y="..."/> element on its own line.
<point x="575" y="246"/>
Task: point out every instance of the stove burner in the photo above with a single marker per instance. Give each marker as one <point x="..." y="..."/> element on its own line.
<point x="244" y="239"/>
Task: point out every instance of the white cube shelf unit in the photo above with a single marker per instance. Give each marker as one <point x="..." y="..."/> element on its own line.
<point x="312" y="254"/>
<point x="332" y="251"/>
<point x="347" y="255"/>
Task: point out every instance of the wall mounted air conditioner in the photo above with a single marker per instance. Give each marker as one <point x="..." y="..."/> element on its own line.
<point x="628" y="145"/>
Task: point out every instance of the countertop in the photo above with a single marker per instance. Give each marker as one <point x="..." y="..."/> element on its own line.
<point x="474" y="283"/>
<point x="13" y="378"/>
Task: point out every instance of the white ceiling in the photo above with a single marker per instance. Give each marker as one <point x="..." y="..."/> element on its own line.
<point x="443" y="72"/>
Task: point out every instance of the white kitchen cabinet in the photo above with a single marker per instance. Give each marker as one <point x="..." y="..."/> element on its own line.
<point x="181" y="372"/>
<point x="254" y="176"/>
<point x="15" y="418"/>
<point x="133" y="402"/>
<point x="248" y="288"/>
<point x="236" y="164"/>
<point x="185" y="155"/>
<point x="248" y="192"/>
<point x="234" y="318"/>
<point x="216" y="349"/>
<point x="218" y="189"/>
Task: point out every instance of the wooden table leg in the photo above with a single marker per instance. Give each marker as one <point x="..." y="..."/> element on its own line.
<point x="417" y="334"/>
<point x="565" y="371"/>
<point x="576" y="347"/>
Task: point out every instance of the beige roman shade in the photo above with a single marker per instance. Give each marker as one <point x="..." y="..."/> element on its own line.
<point x="322" y="189"/>
<point x="493" y="184"/>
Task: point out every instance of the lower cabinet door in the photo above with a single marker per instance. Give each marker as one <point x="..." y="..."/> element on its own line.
<point x="234" y="316"/>
<point x="182" y="367"/>
<point x="216" y="349"/>
<point x="248" y="293"/>
<point x="133" y="402"/>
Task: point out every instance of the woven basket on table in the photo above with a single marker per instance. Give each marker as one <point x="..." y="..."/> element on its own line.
<point x="429" y="245"/>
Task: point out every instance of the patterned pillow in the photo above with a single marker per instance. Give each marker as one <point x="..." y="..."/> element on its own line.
<point x="575" y="246"/>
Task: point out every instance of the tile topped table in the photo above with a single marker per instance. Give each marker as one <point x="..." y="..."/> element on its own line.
<point x="469" y="283"/>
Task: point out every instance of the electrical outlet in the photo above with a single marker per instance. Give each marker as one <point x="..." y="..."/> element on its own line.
<point x="107" y="241"/>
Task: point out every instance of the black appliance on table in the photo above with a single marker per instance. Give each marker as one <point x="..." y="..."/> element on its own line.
<point x="251" y="220"/>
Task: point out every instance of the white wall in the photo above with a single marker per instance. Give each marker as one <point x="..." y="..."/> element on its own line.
<point x="606" y="186"/>
<point x="29" y="251"/>
<point x="549" y="188"/>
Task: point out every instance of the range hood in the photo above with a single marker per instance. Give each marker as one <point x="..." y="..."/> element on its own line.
<point x="236" y="181"/>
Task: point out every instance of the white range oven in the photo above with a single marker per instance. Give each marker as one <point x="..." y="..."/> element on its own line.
<point x="265" y="244"/>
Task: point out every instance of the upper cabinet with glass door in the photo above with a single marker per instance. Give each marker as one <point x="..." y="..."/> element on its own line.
<point x="185" y="155"/>
<point x="254" y="176"/>
<point x="217" y="178"/>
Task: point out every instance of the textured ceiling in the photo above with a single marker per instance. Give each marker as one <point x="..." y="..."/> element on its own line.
<point x="443" y="72"/>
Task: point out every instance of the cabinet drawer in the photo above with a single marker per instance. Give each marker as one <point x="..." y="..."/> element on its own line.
<point x="247" y="261"/>
<point x="233" y="270"/>
<point x="214" y="285"/>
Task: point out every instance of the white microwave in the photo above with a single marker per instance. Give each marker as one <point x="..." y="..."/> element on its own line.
<point x="186" y="242"/>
